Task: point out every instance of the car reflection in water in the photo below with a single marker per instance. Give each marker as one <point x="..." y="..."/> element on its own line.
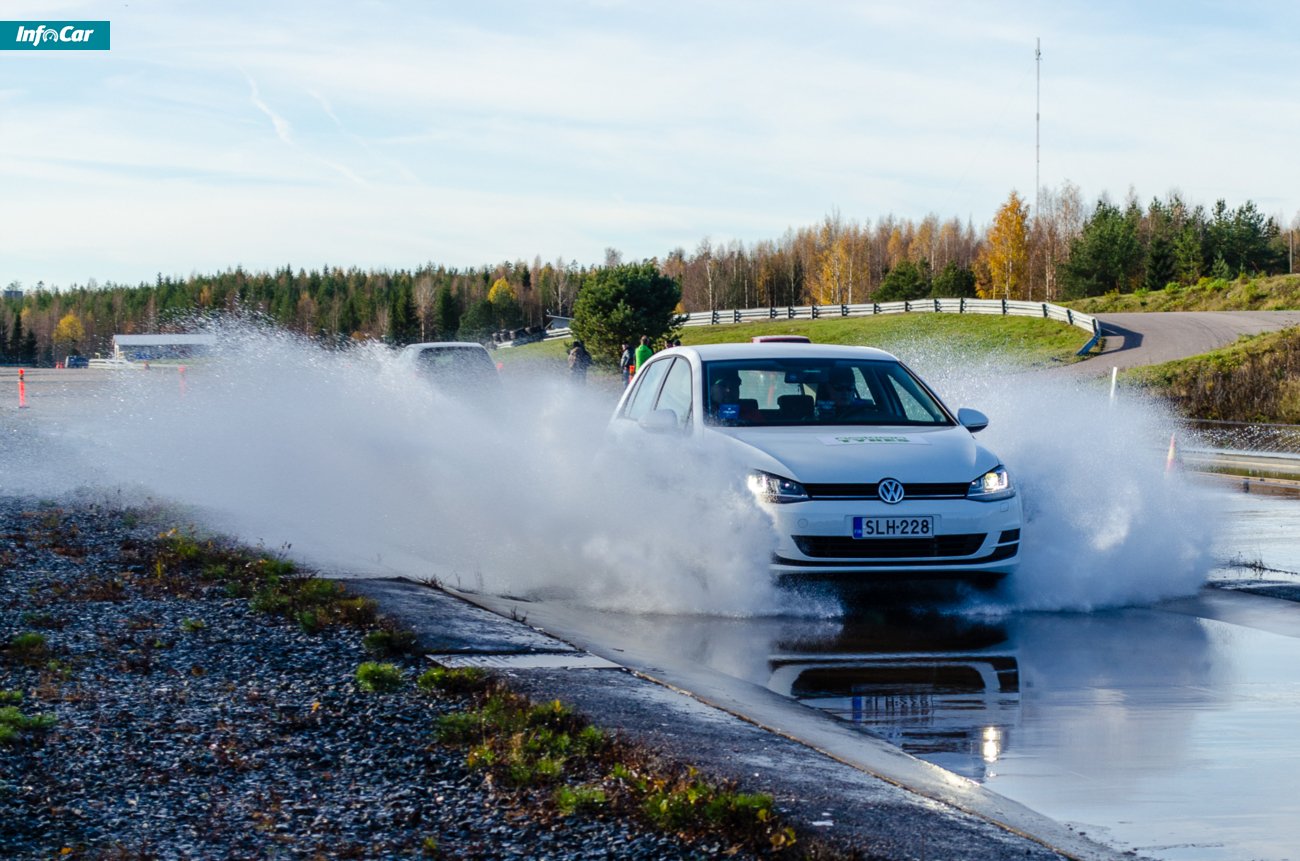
<point x="941" y="688"/>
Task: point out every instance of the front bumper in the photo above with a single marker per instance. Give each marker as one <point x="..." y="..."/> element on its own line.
<point x="978" y="540"/>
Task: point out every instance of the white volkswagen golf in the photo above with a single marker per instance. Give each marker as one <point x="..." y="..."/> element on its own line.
<point x="867" y="475"/>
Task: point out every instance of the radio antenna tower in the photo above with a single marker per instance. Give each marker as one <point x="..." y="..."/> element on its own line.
<point x="1038" y="87"/>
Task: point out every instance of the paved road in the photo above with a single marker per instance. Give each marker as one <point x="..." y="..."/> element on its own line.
<point x="1134" y="339"/>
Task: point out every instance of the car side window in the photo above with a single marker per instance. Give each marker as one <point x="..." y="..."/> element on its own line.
<point x="913" y="408"/>
<point x="676" y="394"/>
<point x="647" y="387"/>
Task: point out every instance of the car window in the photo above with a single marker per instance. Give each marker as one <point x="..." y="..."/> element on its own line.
<point x="647" y="387"/>
<point x="917" y="406"/>
<point x="461" y="367"/>
<point x="789" y="390"/>
<point x="676" y="393"/>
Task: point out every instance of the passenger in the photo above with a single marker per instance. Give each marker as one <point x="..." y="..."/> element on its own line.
<point x="725" y="404"/>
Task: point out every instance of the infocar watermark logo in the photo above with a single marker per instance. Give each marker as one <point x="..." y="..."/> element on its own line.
<point x="53" y="35"/>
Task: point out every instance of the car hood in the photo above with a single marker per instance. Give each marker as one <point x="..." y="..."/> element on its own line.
<point x="861" y="455"/>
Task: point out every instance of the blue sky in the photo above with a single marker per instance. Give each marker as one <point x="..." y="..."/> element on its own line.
<point x="385" y="133"/>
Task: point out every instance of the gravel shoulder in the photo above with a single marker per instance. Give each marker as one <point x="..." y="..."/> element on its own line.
<point x="192" y="727"/>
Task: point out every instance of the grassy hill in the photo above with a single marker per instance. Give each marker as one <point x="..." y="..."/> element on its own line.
<point x="1023" y="340"/>
<point x="1273" y="293"/>
<point x="1256" y="379"/>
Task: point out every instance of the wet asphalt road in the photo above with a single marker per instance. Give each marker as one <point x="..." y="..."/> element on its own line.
<point x="1134" y="339"/>
<point x="1166" y="730"/>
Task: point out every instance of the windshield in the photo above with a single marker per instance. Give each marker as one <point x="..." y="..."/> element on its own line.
<point x="802" y="391"/>
<point x="457" y="367"/>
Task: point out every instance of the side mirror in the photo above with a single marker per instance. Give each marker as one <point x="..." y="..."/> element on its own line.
<point x="973" y="420"/>
<point x="659" y="421"/>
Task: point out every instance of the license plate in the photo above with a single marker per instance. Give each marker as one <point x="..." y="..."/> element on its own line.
<point x="893" y="527"/>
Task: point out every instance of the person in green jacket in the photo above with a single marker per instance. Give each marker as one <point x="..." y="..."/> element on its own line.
<point x="643" y="352"/>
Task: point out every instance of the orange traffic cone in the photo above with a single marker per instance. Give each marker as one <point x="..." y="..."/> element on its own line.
<point x="182" y="378"/>
<point x="22" y="391"/>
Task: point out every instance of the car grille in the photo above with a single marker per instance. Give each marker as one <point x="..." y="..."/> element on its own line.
<point x="838" y="547"/>
<point x="914" y="490"/>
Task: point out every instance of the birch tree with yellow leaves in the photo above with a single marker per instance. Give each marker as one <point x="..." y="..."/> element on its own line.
<point x="1004" y="263"/>
<point x="833" y="276"/>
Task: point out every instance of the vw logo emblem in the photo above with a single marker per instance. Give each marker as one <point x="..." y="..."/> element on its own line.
<point x="891" y="491"/>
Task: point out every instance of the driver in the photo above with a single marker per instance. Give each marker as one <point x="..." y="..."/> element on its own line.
<point x="839" y="395"/>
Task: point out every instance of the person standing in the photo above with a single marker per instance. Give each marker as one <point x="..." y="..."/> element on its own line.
<point x="625" y="364"/>
<point x="643" y="352"/>
<point x="579" y="362"/>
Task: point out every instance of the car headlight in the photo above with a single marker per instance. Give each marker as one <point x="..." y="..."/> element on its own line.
<point x="774" y="488"/>
<point x="994" y="484"/>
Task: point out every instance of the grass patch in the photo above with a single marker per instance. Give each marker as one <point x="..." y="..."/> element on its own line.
<point x="527" y="746"/>
<point x="377" y="678"/>
<point x="452" y="680"/>
<point x="524" y="743"/>
<point x="30" y="648"/>
<point x="569" y="800"/>
<point x="180" y="563"/>
<point x="16" y="727"/>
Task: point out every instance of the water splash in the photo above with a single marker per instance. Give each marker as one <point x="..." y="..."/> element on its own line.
<point x="1107" y="523"/>
<point x="347" y="462"/>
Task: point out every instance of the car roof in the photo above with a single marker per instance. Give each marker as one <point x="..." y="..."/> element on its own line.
<point x="443" y="345"/>
<point x="768" y="350"/>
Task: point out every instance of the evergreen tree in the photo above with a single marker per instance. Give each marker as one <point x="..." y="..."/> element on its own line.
<point x="446" y="314"/>
<point x="907" y="280"/>
<point x="1160" y="267"/>
<point x="953" y="282"/>
<point x="1220" y="269"/>
<point x="403" y="320"/>
<point x="27" y="354"/>
<point x="478" y="322"/>
<point x="1242" y="237"/>
<point x="1105" y="257"/>
<point x="618" y="304"/>
<point x="1189" y="255"/>
<point x="16" y="339"/>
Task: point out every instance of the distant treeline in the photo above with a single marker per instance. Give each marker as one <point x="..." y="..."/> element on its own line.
<point x="1066" y="251"/>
